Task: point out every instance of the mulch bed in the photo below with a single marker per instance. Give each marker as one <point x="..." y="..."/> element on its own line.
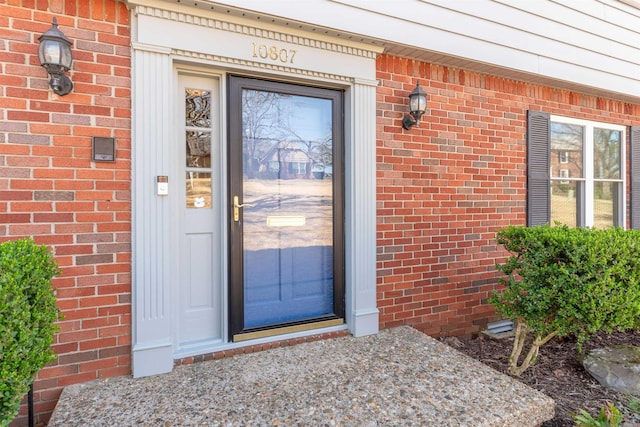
<point x="559" y="374"/>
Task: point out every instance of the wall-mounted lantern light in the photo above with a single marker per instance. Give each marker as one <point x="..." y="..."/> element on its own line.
<point x="55" y="56"/>
<point x="417" y="107"/>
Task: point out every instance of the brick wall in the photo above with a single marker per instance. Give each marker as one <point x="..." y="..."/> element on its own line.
<point x="444" y="188"/>
<point x="51" y="190"/>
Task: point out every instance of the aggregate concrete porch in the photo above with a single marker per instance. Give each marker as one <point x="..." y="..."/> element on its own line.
<point x="399" y="377"/>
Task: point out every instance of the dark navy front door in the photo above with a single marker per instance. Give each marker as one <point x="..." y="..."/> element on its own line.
<point x="286" y="204"/>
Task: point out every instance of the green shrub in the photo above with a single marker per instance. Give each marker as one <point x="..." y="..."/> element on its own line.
<point x="28" y="313"/>
<point x="567" y="281"/>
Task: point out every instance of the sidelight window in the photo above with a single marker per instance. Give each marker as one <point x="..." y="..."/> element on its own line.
<point x="198" y="146"/>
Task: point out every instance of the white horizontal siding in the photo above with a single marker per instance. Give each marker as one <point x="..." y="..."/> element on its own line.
<point x="589" y="45"/>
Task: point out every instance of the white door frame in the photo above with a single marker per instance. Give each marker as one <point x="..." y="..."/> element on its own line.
<point x="168" y="36"/>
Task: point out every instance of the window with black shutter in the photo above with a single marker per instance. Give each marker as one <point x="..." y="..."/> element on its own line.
<point x="588" y="190"/>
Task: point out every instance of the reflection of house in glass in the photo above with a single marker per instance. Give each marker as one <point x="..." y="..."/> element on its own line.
<point x="566" y="151"/>
<point x="290" y="160"/>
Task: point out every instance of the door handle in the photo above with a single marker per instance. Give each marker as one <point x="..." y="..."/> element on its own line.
<point x="236" y="208"/>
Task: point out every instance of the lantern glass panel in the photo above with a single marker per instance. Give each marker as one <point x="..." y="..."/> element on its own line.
<point x="417" y="103"/>
<point x="54" y="52"/>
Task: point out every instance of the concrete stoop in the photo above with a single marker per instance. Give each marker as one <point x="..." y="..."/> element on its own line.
<point x="397" y="377"/>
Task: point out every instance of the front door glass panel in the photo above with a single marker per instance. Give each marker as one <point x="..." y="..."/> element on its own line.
<point x="288" y="214"/>
<point x="285" y="206"/>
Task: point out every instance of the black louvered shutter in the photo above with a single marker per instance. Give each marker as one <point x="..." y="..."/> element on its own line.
<point x="635" y="177"/>
<point x="538" y="158"/>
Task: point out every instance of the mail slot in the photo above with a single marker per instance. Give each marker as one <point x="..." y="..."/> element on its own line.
<point x="286" y="221"/>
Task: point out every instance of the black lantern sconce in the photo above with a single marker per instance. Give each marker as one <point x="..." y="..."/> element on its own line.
<point x="55" y="56"/>
<point x="417" y="107"/>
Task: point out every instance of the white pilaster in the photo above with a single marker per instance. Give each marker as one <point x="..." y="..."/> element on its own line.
<point x="361" y="211"/>
<point x="152" y="328"/>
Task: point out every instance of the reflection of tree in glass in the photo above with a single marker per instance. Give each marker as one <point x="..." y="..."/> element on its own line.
<point x="324" y="151"/>
<point x="606" y="150"/>
<point x="270" y="126"/>
<point x="261" y="121"/>
<point x="606" y="161"/>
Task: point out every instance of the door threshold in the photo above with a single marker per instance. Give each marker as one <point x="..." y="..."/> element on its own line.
<point x="287" y="330"/>
<point x="196" y="347"/>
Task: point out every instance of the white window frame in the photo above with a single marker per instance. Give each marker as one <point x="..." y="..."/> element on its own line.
<point x="588" y="201"/>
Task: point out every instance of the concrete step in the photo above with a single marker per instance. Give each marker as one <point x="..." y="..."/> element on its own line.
<point x="399" y="377"/>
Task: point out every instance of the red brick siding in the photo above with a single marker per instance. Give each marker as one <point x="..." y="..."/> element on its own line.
<point x="51" y="190"/>
<point x="444" y="188"/>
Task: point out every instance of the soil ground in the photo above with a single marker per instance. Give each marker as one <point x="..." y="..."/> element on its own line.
<point x="559" y="374"/>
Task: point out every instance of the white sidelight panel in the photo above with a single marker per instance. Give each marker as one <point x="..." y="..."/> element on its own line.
<point x="198" y="169"/>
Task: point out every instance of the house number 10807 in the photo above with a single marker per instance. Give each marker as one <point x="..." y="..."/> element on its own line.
<point x="273" y="53"/>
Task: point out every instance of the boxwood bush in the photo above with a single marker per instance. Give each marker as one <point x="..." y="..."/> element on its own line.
<point x="28" y="313"/>
<point x="562" y="281"/>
